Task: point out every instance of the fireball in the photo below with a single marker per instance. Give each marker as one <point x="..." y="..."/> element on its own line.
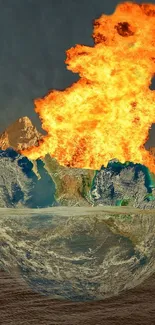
<point x="108" y="112"/>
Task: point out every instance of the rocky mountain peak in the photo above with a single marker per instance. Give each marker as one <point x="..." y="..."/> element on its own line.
<point x="20" y="135"/>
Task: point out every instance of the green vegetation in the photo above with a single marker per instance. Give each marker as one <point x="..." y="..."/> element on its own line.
<point x="86" y="184"/>
<point x="151" y="179"/>
<point x="149" y="197"/>
<point x="123" y="202"/>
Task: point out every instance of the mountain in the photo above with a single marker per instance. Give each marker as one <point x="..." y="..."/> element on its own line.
<point x="20" y="135"/>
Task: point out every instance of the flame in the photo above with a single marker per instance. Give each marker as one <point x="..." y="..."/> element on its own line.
<point x="108" y="112"/>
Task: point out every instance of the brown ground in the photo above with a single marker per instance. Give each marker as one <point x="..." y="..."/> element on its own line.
<point x="20" y="306"/>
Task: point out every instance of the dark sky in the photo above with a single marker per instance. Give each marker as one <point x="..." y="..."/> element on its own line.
<point x="34" y="35"/>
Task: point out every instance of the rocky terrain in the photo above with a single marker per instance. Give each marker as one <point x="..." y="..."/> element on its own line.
<point x="126" y="184"/>
<point x="20" y="135"/>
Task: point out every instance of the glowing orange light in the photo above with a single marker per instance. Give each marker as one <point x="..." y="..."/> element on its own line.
<point x="108" y="113"/>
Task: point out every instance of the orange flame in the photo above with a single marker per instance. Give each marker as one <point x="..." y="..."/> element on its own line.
<point x="108" y="112"/>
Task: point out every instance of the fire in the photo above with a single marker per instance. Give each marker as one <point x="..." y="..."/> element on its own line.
<point x="108" y="112"/>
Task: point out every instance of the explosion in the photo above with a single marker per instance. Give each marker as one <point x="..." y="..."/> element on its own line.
<point x="108" y="112"/>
